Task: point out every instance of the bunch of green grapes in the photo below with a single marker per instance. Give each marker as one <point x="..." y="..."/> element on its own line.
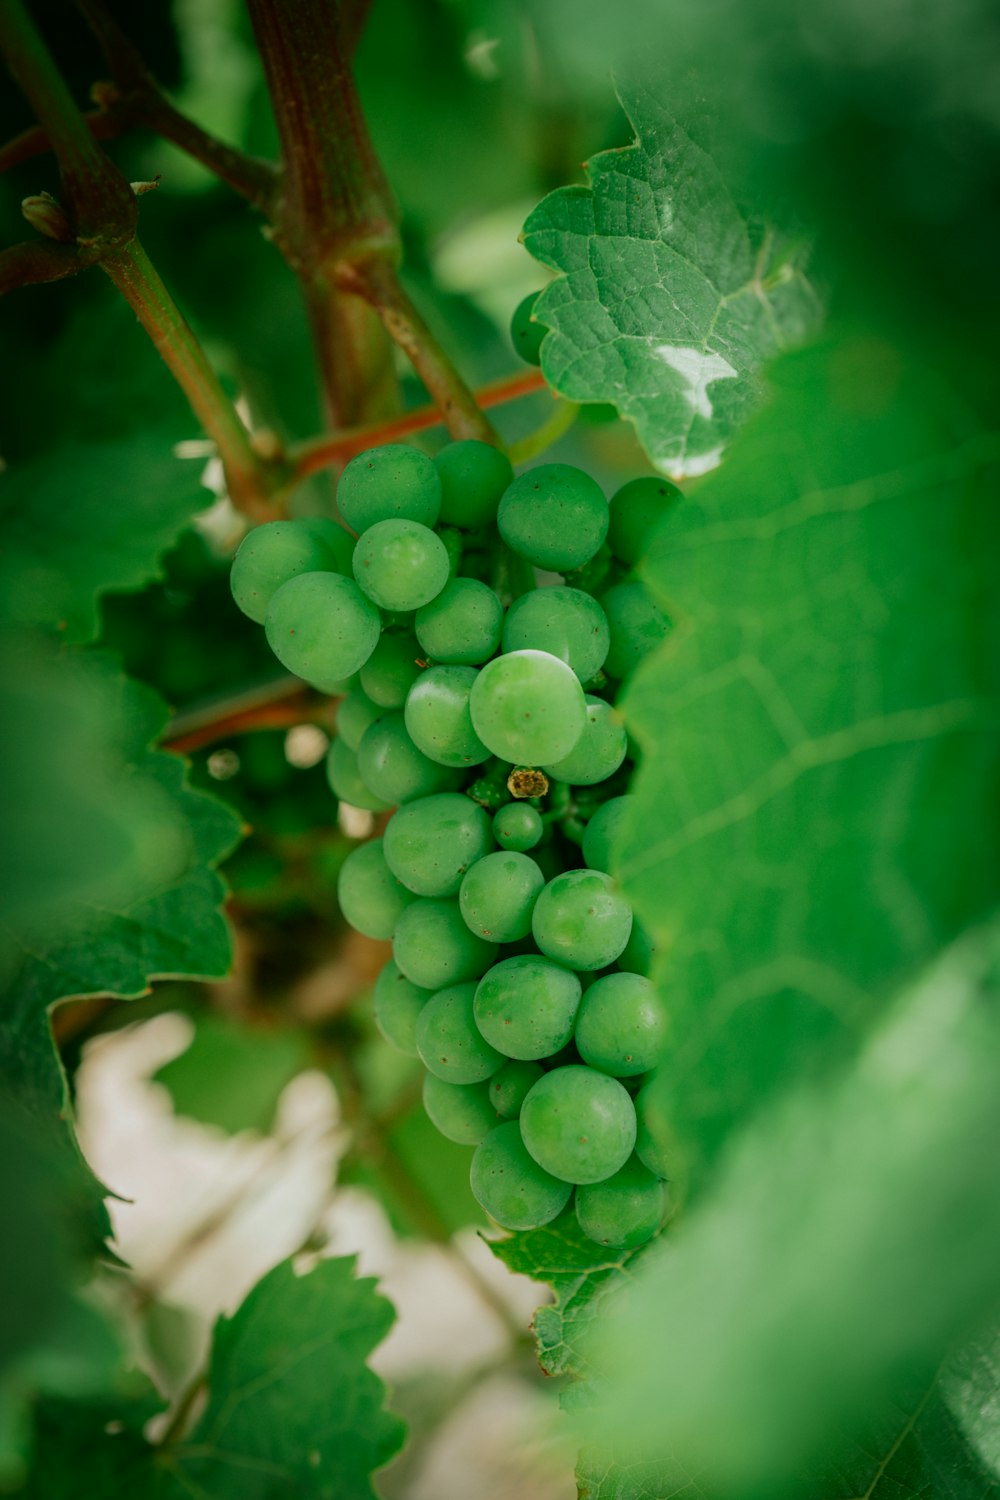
<point x="478" y="702"/>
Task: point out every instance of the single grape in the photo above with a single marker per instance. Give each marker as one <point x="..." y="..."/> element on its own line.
<point x="555" y="516"/>
<point x="269" y="556"/>
<point x="389" y="482"/>
<point x="337" y="538"/>
<point x="395" y="769"/>
<point x="434" y="948"/>
<point x="397" y="1004"/>
<point x="509" y="1087"/>
<point x="392" y="669"/>
<point x="430" y="843"/>
<point x="354" y="714"/>
<point x="637" y="625"/>
<point x="400" y="564"/>
<point x="621" y="1026"/>
<point x="369" y="895"/>
<point x="528" y="707"/>
<point x="498" y="894"/>
<point x="510" y="1187"/>
<point x="579" y="1125"/>
<point x="602" y="831"/>
<point x="598" y="752"/>
<point x="518" y="826"/>
<point x="653" y="1144"/>
<point x="639" y="952"/>
<point x="345" y="779"/>
<point x="321" y="627"/>
<point x="462" y="626"/>
<point x="448" y="1040"/>
<point x="526" y="1006"/>
<point x="625" y="1210"/>
<point x="582" y="919"/>
<point x="564" y="622"/>
<point x="473" y="477"/>
<point x="463" y="1112"/>
<point x="636" y="510"/>
<point x="438" y="717"/>
<point x="525" y="334"/>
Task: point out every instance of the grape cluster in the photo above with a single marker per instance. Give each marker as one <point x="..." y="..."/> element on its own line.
<point x="479" y="703"/>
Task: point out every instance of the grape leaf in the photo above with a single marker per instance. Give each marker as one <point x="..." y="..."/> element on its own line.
<point x="87" y="518"/>
<point x="292" y="1407"/>
<point x="150" y="911"/>
<point x="823" y="727"/>
<point x="849" y="1239"/>
<point x="669" y="300"/>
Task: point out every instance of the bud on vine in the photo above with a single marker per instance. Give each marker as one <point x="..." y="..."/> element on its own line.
<point x="47" y="216"/>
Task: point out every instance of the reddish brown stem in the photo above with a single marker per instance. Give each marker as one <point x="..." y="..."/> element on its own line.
<point x="35" y="261"/>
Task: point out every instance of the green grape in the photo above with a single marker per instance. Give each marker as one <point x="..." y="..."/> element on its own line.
<point x="462" y="1112"/>
<point x="528" y="707"/>
<point x="473" y="477"/>
<point x="354" y="714"/>
<point x="621" y="1026"/>
<point x="429" y="844"/>
<point x="636" y="510"/>
<point x="525" y="334"/>
<point x="400" y="564"/>
<point x="510" y="1187"/>
<point x="518" y="826"/>
<point x="337" y="538"/>
<point x="625" y="1210"/>
<point x="462" y="626"/>
<point x="526" y="1006"/>
<point x="579" y="1125"/>
<point x="321" y="627"/>
<point x="345" y="779"/>
<point x="598" y="752"/>
<point x="434" y="948"/>
<point x="449" y="1042"/>
<point x="389" y="482"/>
<point x="602" y="831"/>
<point x="438" y="718"/>
<point x="397" y="1004"/>
<point x="370" y="896"/>
<point x="395" y="769"/>
<point x="269" y="556"/>
<point x="639" y="952"/>
<point x="498" y="894"/>
<point x="509" y="1087"/>
<point x="392" y="669"/>
<point x="556" y="516"/>
<point x="582" y="919"/>
<point x="653" y="1143"/>
<point x="637" y="625"/>
<point x="594" y="574"/>
<point x="565" y="623"/>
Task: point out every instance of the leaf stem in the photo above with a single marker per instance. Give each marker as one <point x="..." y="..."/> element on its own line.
<point x="560" y="420"/>
<point x="250" y="478"/>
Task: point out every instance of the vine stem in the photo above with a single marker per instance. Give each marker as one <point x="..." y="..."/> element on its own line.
<point x="320" y="453"/>
<point x="249" y="477"/>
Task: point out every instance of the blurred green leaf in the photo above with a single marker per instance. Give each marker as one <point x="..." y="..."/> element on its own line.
<point x="821" y="812"/>
<point x="849" y="1239"/>
<point x="86" y="519"/>
<point x="233" y="1073"/>
<point x="669" y="299"/>
<point x="292" y="1407"/>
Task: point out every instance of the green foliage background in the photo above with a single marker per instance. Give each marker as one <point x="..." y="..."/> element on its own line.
<point x="814" y="849"/>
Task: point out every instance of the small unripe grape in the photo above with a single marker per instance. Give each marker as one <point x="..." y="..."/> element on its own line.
<point x="621" y="1026"/>
<point x="400" y="564"/>
<point x="636" y="510"/>
<point x="473" y="477"/>
<point x="512" y="1188"/>
<point x="498" y="894"/>
<point x="346" y="782"/>
<point x="354" y="714"/>
<point x="624" y="1211"/>
<point x="392" y="669"/>
<point x="434" y="948"/>
<point x="321" y="627"/>
<point x="528" y="707"/>
<point x="384" y="483"/>
<point x="526" y="335"/>
<point x="637" y="625"/>
<point x="438" y="718"/>
<point x="639" y="953"/>
<point x="578" y="1124"/>
<point x="270" y="555"/>
<point x="395" y="769"/>
<point x="509" y="1087"/>
<point x="448" y="1040"/>
<point x="564" y="622"/>
<point x="598" y="752"/>
<point x="555" y="516"/>
<point x="431" y="842"/>
<point x="368" y="893"/>
<point x="526" y="1006"/>
<point x="654" y="1144"/>
<point x="463" y="1112"/>
<point x="462" y="626"/>
<point x="602" y="831"/>
<point x="518" y="826"/>
<point x="397" y="1002"/>
<point x="582" y="919"/>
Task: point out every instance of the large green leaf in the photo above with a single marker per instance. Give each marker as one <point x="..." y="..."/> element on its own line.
<point x="83" y="519"/>
<point x="669" y="300"/>
<point x="849" y="1240"/>
<point x="293" y="1409"/>
<point x="819" y="808"/>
